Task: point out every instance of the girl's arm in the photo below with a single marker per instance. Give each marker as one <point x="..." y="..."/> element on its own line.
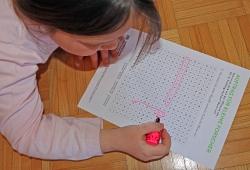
<point x="51" y="137"/>
<point x="29" y="131"/>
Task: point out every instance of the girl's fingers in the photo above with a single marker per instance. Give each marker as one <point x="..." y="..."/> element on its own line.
<point x="114" y="53"/>
<point x="166" y="138"/>
<point x="151" y="127"/>
<point x="162" y="148"/>
<point x="105" y="57"/>
<point x="78" y="62"/>
<point x="94" y="60"/>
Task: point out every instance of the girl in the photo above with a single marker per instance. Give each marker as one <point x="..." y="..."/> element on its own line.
<point x="30" y="30"/>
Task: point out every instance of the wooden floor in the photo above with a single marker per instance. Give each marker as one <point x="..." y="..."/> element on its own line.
<point x="220" y="28"/>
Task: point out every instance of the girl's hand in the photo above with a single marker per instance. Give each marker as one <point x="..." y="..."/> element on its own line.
<point x="102" y="57"/>
<point x="131" y="140"/>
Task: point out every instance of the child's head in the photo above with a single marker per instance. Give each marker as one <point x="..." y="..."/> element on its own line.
<point x="83" y="27"/>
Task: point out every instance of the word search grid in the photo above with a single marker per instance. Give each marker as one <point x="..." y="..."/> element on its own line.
<point x="148" y="91"/>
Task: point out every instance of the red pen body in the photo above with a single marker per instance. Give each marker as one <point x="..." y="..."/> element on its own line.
<point x="154" y="138"/>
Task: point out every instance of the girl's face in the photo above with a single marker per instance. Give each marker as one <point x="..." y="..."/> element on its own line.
<point x="89" y="45"/>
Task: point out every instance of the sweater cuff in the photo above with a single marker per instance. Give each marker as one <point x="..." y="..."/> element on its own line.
<point x="93" y="137"/>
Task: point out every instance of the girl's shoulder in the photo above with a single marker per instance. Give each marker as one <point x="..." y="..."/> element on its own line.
<point x="16" y="36"/>
<point x="11" y="27"/>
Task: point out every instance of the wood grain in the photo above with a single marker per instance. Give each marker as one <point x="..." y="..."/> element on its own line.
<point x="220" y="28"/>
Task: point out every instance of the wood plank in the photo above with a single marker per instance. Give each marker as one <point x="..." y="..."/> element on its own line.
<point x="167" y="14"/>
<point x="167" y="162"/>
<point x="16" y="161"/>
<point x="244" y="22"/>
<point x="104" y="161"/>
<point x="206" y="18"/>
<point x="218" y="42"/>
<point x="241" y="167"/>
<point x="239" y="42"/>
<point x="62" y="89"/>
<point x="8" y="156"/>
<point x="216" y="27"/>
<point x="235" y="147"/>
<point x="36" y="164"/>
<point x="53" y="83"/>
<point x="133" y="164"/>
<point x="25" y="163"/>
<point x="71" y="90"/>
<point x="185" y="37"/>
<point x="182" y="5"/>
<point x="156" y="165"/>
<point x="246" y="4"/>
<point x="46" y="165"/>
<point x="1" y="152"/>
<point x="171" y="35"/>
<point x="208" y="9"/>
<point x="206" y="40"/>
<point x="196" y="40"/>
<point x="233" y="160"/>
<point x="114" y="165"/>
<point x="239" y="134"/>
<point x="229" y="43"/>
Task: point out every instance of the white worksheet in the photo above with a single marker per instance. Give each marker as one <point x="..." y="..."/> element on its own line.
<point x="195" y="95"/>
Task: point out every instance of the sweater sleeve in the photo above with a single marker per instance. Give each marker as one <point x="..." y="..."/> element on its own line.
<point x="29" y="131"/>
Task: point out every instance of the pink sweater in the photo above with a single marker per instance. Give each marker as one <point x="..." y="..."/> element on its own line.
<point x="21" y="111"/>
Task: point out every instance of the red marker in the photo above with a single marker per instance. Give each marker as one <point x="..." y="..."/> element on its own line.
<point x="153" y="138"/>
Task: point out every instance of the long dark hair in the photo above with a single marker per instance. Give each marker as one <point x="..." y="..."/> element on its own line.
<point x="91" y="17"/>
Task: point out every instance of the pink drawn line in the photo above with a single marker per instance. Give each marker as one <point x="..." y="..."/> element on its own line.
<point x="177" y="83"/>
<point x="171" y="92"/>
<point x="157" y="111"/>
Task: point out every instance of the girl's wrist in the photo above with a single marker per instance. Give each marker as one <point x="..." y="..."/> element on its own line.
<point x="108" y="140"/>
